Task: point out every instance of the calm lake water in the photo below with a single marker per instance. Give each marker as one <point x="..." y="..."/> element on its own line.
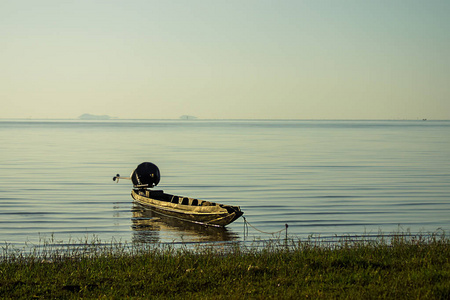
<point x="322" y="178"/>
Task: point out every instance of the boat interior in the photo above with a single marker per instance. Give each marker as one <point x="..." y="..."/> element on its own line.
<point x="161" y="196"/>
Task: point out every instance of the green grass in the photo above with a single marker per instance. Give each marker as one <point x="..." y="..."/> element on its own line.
<point x="393" y="267"/>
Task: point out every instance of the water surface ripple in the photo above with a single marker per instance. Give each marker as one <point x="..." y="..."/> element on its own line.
<point x="322" y="178"/>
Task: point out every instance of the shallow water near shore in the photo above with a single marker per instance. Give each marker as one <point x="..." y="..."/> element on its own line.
<point x="322" y="178"/>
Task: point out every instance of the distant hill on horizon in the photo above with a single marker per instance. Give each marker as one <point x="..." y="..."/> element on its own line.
<point x="94" y="117"/>
<point x="186" y="117"/>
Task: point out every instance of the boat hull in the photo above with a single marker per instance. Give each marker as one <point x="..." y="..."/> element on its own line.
<point x="187" y="209"/>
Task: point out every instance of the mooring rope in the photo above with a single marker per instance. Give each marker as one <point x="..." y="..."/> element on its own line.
<point x="246" y="224"/>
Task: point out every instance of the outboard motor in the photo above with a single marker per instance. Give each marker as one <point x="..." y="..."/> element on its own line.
<point x="146" y="175"/>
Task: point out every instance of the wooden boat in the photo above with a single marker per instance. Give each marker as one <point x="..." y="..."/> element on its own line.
<point x="147" y="175"/>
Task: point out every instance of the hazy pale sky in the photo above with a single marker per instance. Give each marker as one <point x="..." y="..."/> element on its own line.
<point x="225" y="59"/>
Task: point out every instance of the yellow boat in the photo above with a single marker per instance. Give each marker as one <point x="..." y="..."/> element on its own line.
<point x="147" y="175"/>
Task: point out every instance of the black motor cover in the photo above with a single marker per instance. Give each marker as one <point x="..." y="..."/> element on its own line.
<point x="146" y="174"/>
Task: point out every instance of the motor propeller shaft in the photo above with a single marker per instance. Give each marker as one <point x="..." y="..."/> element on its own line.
<point x="119" y="177"/>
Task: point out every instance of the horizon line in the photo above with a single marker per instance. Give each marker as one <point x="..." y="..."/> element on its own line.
<point x="219" y="119"/>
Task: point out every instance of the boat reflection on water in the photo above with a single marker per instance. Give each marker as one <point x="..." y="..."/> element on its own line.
<point x="150" y="226"/>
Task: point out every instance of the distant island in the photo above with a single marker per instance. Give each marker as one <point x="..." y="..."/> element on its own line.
<point x="94" y="117"/>
<point x="186" y="117"/>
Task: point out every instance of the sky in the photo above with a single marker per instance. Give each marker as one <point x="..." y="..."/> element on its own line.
<point x="244" y="59"/>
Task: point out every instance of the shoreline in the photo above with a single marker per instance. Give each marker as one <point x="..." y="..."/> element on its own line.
<point x="394" y="266"/>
